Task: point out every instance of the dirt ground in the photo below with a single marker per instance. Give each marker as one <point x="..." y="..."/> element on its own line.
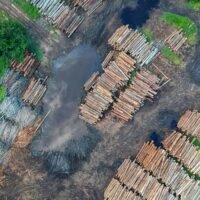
<point x="89" y="182"/>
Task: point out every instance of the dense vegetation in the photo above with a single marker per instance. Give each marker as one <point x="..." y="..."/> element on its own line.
<point x="193" y="4"/>
<point x="181" y="22"/>
<point x="31" y="11"/>
<point x="171" y="56"/>
<point x="14" y="42"/>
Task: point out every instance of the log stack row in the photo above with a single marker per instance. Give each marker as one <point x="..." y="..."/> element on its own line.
<point x="107" y="60"/>
<point x="27" y="67"/>
<point x="115" y="76"/>
<point x="116" y="191"/>
<point x="59" y="14"/>
<point x="135" y="178"/>
<point x="175" y="40"/>
<point x="190" y="123"/>
<point x="35" y="91"/>
<point x="156" y="160"/>
<point x="117" y="73"/>
<point x="180" y="147"/>
<point x="96" y="103"/>
<point x="89" y="5"/>
<point x="143" y="86"/>
<point x="160" y="172"/>
<point x="135" y="43"/>
<point x="91" y="81"/>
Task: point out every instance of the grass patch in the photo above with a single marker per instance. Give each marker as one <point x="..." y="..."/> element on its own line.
<point x="149" y="35"/>
<point x="193" y="4"/>
<point x="30" y="10"/>
<point x="195" y="141"/>
<point x="3" y="93"/>
<point x="171" y="56"/>
<point x="181" y="22"/>
<point x="133" y="74"/>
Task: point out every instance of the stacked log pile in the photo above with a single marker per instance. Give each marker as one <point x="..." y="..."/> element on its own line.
<point x="190" y="123"/>
<point x="96" y="102"/>
<point x="161" y="172"/>
<point x="89" y="5"/>
<point x="134" y="177"/>
<point x="117" y="73"/>
<point x="156" y="160"/>
<point x="176" y="40"/>
<point x="180" y="147"/>
<point x="135" y="43"/>
<point x="115" y="76"/>
<point x="144" y="85"/>
<point x="60" y="15"/>
<point x="116" y="191"/>
<point x="91" y="81"/>
<point x="107" y="59"/>
<point x="27" y="67"/>
<point x="34" y="92"/>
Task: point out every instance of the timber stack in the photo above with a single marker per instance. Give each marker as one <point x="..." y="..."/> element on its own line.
<point x="116" y="191"/>
<point x="179" y="146"/>
<point x="59" y="14"/>
<point x="96" y="103"/>
<point x="157" y="161"/>
<point x="175" y="40"/>
<point x="27" y="67"/>
<point x="135" y="178"/>
<point x="35" y="91"/>
<point x="91" y="81"/>
<point x="190" y="123"/>
<point x="143" y="86"/>
<point x="99" y="99"/>
<point x="170" y="171"/>
<point x="89" y="5"/>
<point x="107" y="59"/>
<point x="135" y="43"/>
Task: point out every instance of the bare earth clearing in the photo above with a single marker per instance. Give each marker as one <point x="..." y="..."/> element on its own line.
<point x="93" y="175"/>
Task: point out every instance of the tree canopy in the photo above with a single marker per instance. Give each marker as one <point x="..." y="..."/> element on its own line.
<point x="14" y="42"/>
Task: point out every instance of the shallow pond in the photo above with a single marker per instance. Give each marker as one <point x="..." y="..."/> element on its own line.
<point x="137" y="17"/>
<point x="63" y="98"/>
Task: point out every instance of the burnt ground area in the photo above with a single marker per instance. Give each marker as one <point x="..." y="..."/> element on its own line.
<point x="159" y="117"/>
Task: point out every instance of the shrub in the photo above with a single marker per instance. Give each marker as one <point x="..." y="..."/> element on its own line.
<point x="171" y="56"/>
<point x="14" y="43"/>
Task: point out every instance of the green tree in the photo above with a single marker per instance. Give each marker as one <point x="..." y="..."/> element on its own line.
<point x="14" y="42"/>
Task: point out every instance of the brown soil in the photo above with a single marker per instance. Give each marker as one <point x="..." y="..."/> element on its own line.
<point x="89" y="182"/>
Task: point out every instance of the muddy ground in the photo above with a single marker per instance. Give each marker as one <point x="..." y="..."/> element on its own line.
<point x="93" y="175"/>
